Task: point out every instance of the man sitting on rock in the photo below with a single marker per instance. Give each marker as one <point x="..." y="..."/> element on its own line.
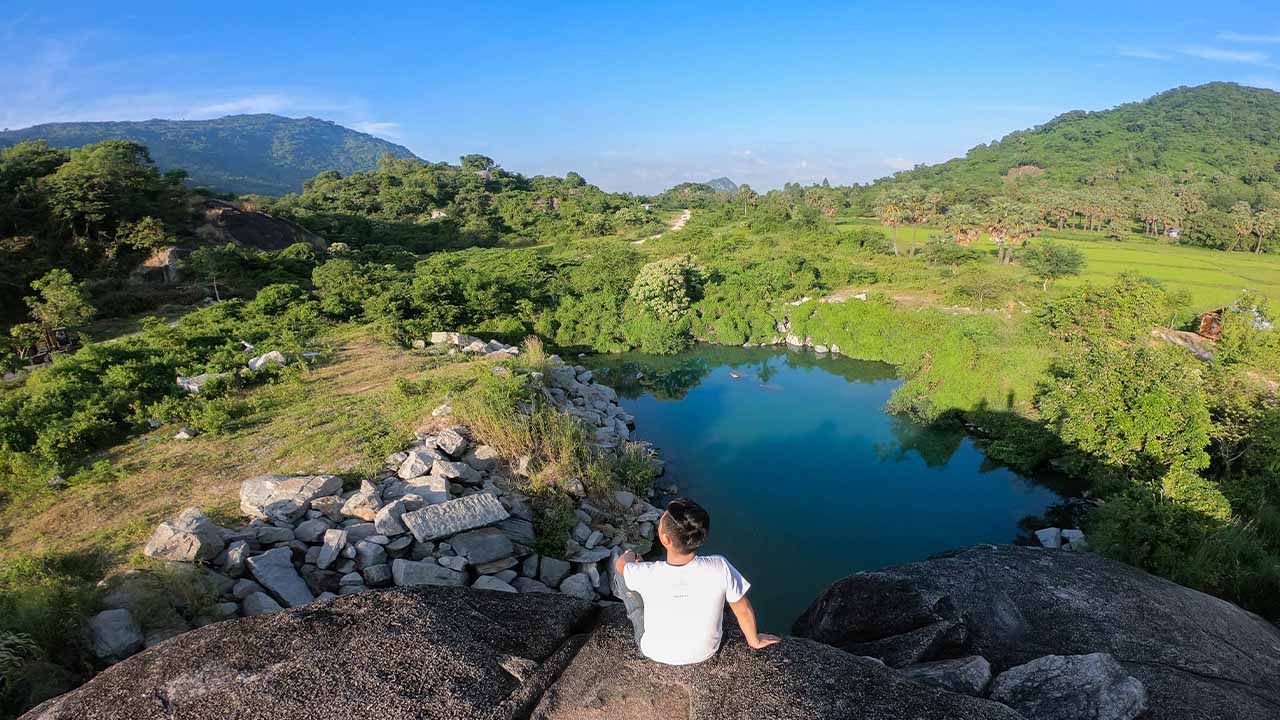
<point x="677" y="605"/>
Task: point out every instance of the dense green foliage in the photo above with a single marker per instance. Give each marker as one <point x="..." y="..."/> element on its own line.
<point x="428" y="206"/>
<point x="94" y="212"/>
<point x="265" y="154"/>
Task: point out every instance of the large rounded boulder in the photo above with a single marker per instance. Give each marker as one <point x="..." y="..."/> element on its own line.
<point x="421" y="653"/>
<point x="1196" y="656"/>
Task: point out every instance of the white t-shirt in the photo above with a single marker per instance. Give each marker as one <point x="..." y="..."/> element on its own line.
<point x="684" y="606"/>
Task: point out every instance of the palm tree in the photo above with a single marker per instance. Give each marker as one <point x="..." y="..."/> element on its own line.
<point x="889" y="208"/>
<point x="1265" y="225"/>
<point x="1241" y="222"/>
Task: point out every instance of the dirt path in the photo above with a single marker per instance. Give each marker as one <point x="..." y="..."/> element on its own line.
<point x="677" y="224"/>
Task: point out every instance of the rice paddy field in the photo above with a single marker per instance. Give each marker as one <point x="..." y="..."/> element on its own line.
<point x="1212" y="277"/>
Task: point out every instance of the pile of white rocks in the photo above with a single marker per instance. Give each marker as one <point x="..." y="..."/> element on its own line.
<point x="193" y="383"/>
<point x="455" y="342"/>
<point x="1057" y="538"/>
<point x="447" y="510"/>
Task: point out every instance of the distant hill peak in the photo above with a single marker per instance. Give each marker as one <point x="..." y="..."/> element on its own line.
<point x="259" y="153"/>
<point x="723" y="184"/>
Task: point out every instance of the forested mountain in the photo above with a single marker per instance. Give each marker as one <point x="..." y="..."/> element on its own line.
<point x="1226" y="132"/>
<point x="723" y="184"/>
<point x="265" y="154"/>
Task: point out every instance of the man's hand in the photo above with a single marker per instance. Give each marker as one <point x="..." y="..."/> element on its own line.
<point x="763" y="640"/>
<point x="623" y="559"/>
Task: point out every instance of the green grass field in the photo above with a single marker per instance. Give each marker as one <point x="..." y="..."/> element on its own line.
<point x="1214" y="278"/>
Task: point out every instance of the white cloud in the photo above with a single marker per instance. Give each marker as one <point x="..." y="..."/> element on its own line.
<point x="388" y="130"/>
<point x="261" y="103"/>
<point x="1248" y="57"/>
<point x="1249" y="38"/>
<point x="1144" y="53"/>
<point x="899" y="163"/>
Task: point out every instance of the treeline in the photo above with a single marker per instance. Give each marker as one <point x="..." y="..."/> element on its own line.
<point x="423" y="207"/>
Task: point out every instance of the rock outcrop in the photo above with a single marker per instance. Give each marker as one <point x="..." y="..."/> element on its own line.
<point x="796" y="679"/>
<point x="1069" y="636"/>
<point x="226" y="222"/>
<point x="432" y="653"/>
<point x="1197" y="656"/>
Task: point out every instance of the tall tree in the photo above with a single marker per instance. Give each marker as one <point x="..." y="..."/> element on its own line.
<point x="1241" y="222"/>
<point x="890" y="210"/>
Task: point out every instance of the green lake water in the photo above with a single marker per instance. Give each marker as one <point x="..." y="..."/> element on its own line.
<point x="806" y="476"/>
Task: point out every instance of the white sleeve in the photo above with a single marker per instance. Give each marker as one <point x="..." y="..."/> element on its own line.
<point x="735" y="586"/>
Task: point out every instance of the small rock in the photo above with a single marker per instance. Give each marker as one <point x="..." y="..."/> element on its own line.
<point x="968" y="676"/>
<point x="334" y="540"/>
<point x="579" y="585"/>
<point x="1071" y="687"/>
<point x="244" y="588"/>
<point x="489" y="582"/>
<point x="452" y="442"/>
<point x="1050" y="537"/>
<point x="409" y="572"/>
<point x="553" y="571"/>
<point x="259" y="604"/>
<point x="191" y="537"/>
<point x="525" y="585"/>
<point x="311" y="531"/>
<point x="114" y="634"/>
<point x="453" y="562"/>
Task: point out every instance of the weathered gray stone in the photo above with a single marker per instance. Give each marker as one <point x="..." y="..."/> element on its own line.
<point x="452" y="442"/>
<point x="553" y="571"/>
<point x="455" y="516"/>
<point x="280" y="497"/>
<point x="363" y="504"/>
<point x="578" y="585"/>
<point x="274" y="570"/>
<point x="1050" y="538"/>
<point x="489" y="582"/>
<point x="496" y="566"/>
<point x="453" y="562"/>
<point x="359" y="531"/>
<point x="529" y="585"/>
<point x="418" y="462"/>
<point x="190" y="537"/>
<point x="334" y="540"/>
<point x="377" y="575"/>
<point x="387" y="519"/>
<point x="967" y="676"/>
<point x="312" y="531"/>
<point x="589" y="555"/>
<point x="370" y="553"/>
<point x="244" y="588"/>
<point x="259" y="604"/>
<point x="457" y="471"/>
<point x="1071" y="687"/>
<point x="481" y="457"/>
<point x="529" y="567"/>
<point x="409" y="572"/>
<point x="270" y="535"/>
<point x="114" y="634"/>
<point x="330" y="507"/>
<point x="427" y="490"/>
<point x="236" y="553"/>
<point x="482" y="546"/>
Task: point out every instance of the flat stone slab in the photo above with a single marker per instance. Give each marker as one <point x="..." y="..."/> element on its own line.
<point x="274" y="570"/>
<point x="410" y="572"/>
<point x="281" y="497"/>
<point x="454" y="516"/>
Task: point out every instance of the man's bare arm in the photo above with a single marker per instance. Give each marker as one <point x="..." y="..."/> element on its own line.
<point x="747" y="621"/>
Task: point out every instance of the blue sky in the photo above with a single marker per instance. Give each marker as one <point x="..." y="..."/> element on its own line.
<point x="634" y="96"/>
